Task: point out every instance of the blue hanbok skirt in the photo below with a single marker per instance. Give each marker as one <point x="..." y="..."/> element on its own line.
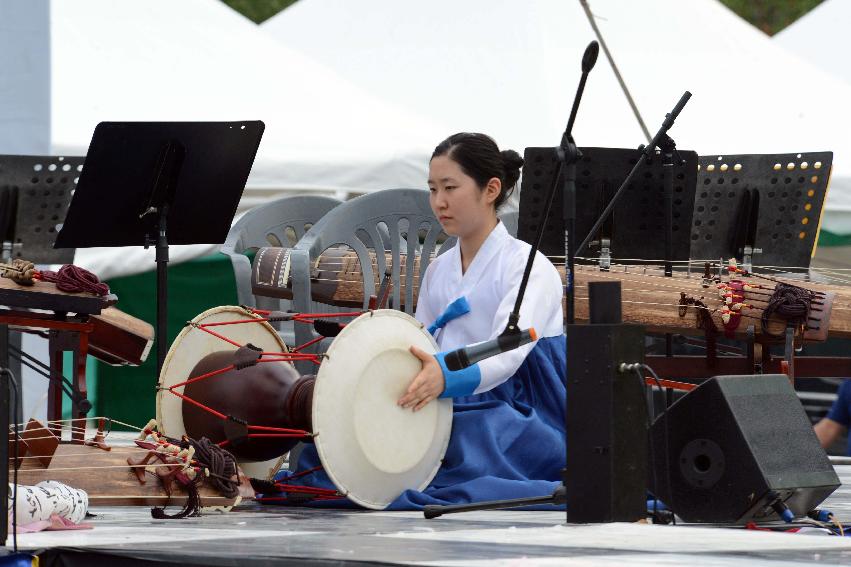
<point x="508" y="442"/>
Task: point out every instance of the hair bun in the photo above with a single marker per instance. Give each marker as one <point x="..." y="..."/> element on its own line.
<point x="511" y="159"/>
<point x="511" y="164"/>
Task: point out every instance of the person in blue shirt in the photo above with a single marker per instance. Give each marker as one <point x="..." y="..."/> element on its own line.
<point x="838" y="419"/>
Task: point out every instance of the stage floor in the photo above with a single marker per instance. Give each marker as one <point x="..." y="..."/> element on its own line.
<point x="267" y="535"/>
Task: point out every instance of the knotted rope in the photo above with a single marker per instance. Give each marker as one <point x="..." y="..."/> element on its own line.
<point x="74" y="279"/>
<point x="217" y="467"/>
<point x="19" y="271"/>
<point x="792" y="303"/>
<point x="69" y="278"/>
<point x="220" y="462"/>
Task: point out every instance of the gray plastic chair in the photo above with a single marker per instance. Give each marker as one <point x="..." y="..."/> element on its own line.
<point x="510" y="219"/>
<point x="279" y="223"/>
<point x="380" y="221"/>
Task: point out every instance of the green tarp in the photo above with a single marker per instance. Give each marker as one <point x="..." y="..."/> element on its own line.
<point x="128" y="393"/>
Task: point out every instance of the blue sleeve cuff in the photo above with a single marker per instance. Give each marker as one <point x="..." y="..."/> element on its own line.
<point x="458" y="382"/>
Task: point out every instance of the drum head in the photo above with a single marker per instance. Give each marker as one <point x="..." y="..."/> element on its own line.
<point x="371" y="448"/>
<point x="193" y="344"/>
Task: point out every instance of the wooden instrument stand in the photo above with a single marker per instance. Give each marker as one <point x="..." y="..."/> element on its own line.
<point x="63" y="335"/>
<point x="44" y="310"/>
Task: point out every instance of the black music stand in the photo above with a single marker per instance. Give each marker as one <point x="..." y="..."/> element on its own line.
<point x="160" y="183"/>
<point x="34" y="195"/>
<point x="636" y="229"/>
<point x="760" y="206"/>
<point x="35" y="192"/>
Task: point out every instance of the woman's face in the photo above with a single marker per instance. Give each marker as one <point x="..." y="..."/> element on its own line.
<point x="461" y="206"/>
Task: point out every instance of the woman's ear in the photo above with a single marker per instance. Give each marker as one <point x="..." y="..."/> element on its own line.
<point x="492" y="190"/>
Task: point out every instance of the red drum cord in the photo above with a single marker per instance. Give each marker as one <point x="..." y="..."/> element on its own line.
<point x="261" y="431"/>
<point x="315" y="493"/>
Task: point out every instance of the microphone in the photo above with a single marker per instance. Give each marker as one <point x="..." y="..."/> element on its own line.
<point x="589" y="58"/>
<point x="470" y="355"/>
<point x="668" y="123"/>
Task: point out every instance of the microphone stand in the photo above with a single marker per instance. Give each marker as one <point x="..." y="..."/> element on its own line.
<point x="668" y="147"/>
<point x="560" y="495"/>
<point x="646" y="151"/>
<point x="568" y="154"/>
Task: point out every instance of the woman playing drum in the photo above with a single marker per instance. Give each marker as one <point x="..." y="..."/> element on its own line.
<point x="508" y="431"/>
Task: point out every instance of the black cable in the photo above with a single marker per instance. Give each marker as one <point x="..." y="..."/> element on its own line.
<point x="79" y="402"/>
<point x="13" y="383"/>
<point x="40" y="372"/>
<point x="17" y="353"/>
<point x="664" y="417"/>
<point x="637" y="370"/>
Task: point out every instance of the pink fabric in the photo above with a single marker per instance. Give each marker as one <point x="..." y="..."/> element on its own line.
<point x="55" y="523"/>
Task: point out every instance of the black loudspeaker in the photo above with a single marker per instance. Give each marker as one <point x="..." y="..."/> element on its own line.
<point x="606" y="475"/>
<point x="733" y="446"/>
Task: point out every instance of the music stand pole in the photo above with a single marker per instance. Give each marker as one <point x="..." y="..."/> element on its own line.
<point x="162" y="289"/>
<point x="667" y="146"/>
<point x="569" y="154"/>
<point x="163" y="191"/>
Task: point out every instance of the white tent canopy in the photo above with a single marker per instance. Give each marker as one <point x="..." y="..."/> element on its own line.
<point x="821" y="37"/>
<point x="160" y="60"/>
<point x="510" y="68"/>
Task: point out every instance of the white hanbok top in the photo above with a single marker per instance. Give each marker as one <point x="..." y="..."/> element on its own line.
<point x="490" y="285"/>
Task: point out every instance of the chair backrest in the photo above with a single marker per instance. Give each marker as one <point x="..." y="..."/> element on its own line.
<point x="281" y="222"/>
<point x="510" y="219"/>
<point x="395" y="221"/>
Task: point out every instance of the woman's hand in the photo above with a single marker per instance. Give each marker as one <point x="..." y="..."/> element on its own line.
<point x="427" y="385"/>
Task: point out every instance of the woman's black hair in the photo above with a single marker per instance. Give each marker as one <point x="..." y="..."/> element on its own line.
<point x="480" y="158"/>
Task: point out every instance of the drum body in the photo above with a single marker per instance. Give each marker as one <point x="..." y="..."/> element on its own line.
<point x="193" y="345"/>
<point x="370" y="447"/>
<point x="260" y="394"/>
